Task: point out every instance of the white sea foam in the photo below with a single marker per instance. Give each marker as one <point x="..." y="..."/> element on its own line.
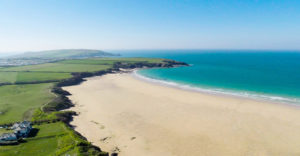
<point x="293" y="101"/>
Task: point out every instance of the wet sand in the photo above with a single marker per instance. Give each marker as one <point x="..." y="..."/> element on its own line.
<point x="121" y="113"/>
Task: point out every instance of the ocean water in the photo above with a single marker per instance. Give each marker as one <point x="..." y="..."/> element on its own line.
<point x="273" y="75"/>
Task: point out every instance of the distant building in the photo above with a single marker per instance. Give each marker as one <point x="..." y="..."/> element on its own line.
<point x="21" y="130"/>
<point x="8" y="137"/>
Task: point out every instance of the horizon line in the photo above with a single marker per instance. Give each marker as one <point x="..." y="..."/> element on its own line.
<point x="146" y="49"/>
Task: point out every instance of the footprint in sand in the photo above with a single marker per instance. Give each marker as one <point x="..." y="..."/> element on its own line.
<point x="101" y="126"/>
<point x="105" y="139"/>
<point x="116" y="150"/>
<point x="132" y="138"/>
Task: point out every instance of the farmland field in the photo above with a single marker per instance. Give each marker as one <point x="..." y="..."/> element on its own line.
<point x="9" y="77"/>
<point x="58" y="67"/>
<point x="13" y="77"/>
<point x="19" y="101"/>
<point x="111" y="61"/>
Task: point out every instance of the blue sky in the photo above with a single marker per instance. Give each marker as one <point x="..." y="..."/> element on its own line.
<point x="27" y="25"/>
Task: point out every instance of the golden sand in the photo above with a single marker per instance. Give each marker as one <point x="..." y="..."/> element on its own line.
<point x="119" y="112"/>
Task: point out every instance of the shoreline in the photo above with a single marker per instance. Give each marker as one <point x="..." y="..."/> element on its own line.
<point x="221" y="92"/>
<point x="93" y="123"/>
<point x="80" y="77"/>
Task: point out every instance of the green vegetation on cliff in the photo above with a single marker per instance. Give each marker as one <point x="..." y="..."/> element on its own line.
<point x="18" y="102"/>
<point x="19" y="77"/>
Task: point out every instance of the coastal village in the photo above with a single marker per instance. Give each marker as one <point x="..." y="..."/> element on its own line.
<point x="20" y="130"/>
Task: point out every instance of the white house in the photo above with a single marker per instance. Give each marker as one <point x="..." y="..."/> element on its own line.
<point x="22" y="129"/>
<point x="8" y="137"/>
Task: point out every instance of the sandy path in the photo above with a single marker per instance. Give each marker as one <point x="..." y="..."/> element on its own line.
<point x="121" y="113"/>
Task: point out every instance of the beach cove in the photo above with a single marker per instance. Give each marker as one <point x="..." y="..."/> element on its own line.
<point x="121" y="113"/>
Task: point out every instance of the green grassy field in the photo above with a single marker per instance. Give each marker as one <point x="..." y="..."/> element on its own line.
<point x="10" y="77"/>
<point x="13" y="77"/>
<point x="59" y="67"/>
<point x="89" y="61"/>
<point x="19" y="101"/>
<point x="111" y="61"/>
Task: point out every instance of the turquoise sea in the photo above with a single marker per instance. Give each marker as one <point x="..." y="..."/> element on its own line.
<point x="273" y="75"/>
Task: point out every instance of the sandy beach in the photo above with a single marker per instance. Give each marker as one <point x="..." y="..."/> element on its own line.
<point x="121" y="113"/>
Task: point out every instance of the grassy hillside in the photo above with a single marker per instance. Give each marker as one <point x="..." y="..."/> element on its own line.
<point x="58" y="67"/>
<point x="9" y="77"/>
<point x="18" y="102"/>
<point x="19" y="77"/>
<point x="111" y="61"/>
<point x="64" y="53"/>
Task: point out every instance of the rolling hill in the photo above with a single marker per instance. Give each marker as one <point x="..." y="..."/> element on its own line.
<point x="64" y="54"/>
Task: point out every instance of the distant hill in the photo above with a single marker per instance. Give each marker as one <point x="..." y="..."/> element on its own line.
<point x="64" y="54"/>
<point x="7" y="54"/>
